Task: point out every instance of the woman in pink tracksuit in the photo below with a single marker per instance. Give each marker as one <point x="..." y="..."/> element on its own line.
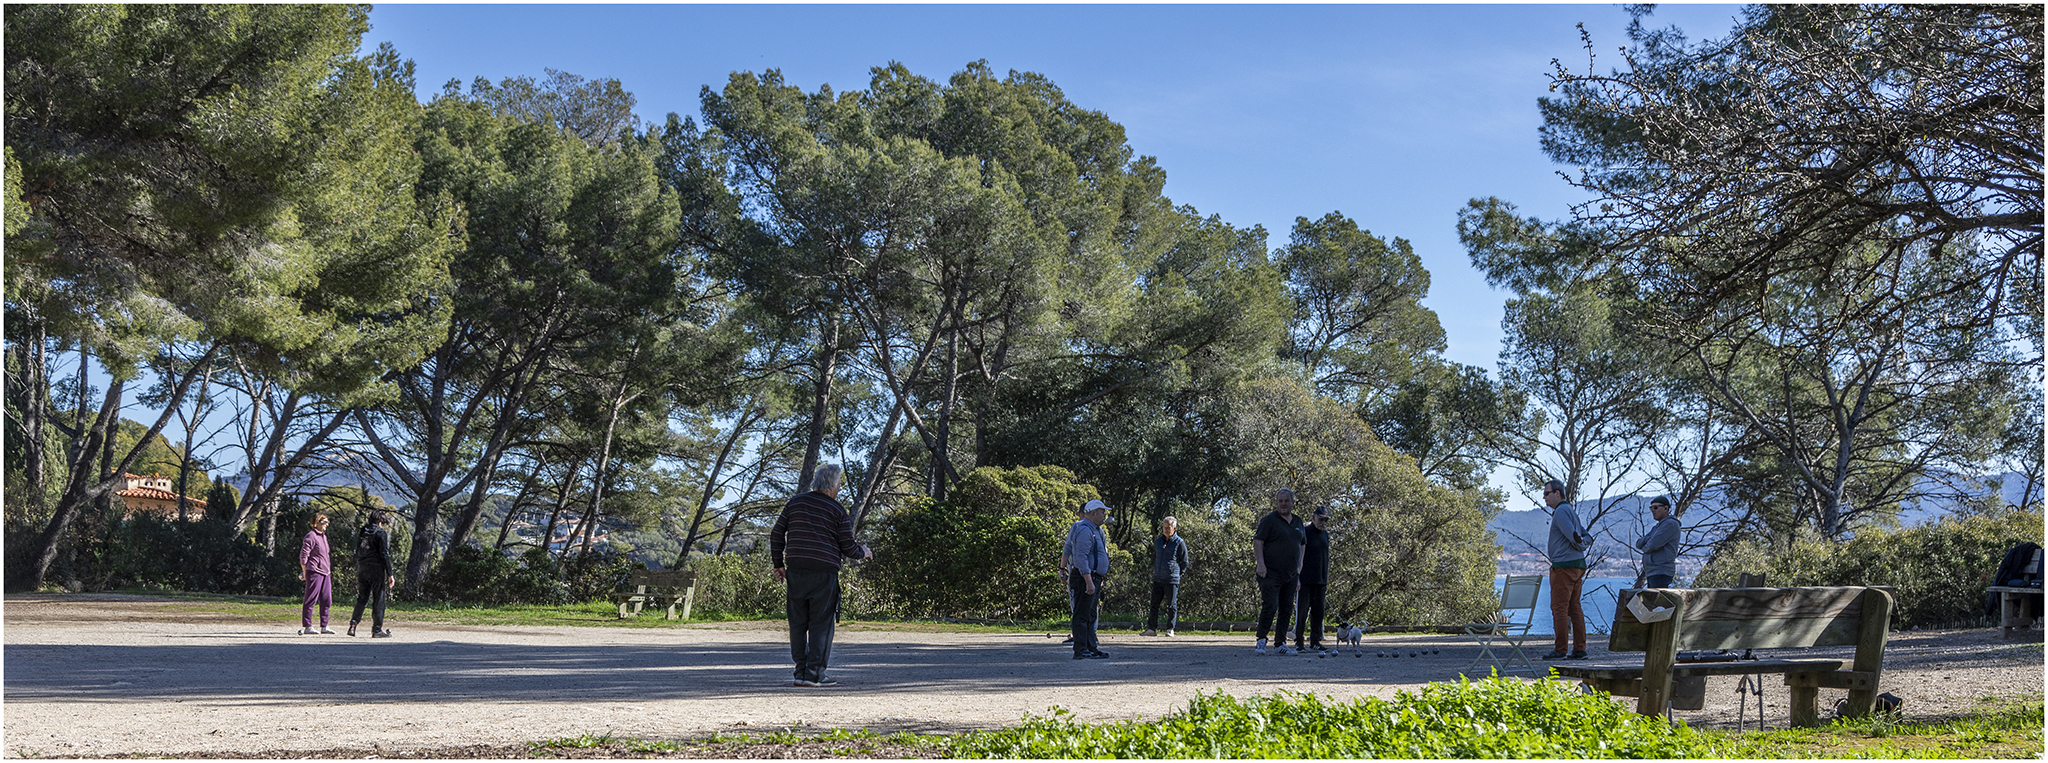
<point x="318" y="574"/>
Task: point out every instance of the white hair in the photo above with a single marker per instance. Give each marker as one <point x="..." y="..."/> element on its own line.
<point x="1170" y="521"/>
<point x="827" y="478"/>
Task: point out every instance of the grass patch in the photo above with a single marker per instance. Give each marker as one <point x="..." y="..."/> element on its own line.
<point x="1491" y="718"/>
<point x="2002" y="729"/>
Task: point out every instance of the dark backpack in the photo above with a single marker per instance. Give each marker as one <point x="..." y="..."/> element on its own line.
<point x="369" y="548"/>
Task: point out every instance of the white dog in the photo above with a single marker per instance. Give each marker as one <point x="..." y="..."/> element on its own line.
<point x="1350" y="635"/>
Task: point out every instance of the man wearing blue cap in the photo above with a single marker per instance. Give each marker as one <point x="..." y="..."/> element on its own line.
<point x="1660" y="545"/>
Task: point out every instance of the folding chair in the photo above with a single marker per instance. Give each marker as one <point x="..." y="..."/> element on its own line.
<point x="1519" y="594"/>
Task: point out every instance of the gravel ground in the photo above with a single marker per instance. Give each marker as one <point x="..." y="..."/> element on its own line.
<point x="108" y="675"/>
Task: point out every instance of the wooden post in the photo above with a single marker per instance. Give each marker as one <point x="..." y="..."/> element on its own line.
<point x="1751" y="580"/>
<point x="1659" y="655"/>
<point x="1805" y="706"/>
<point x="689" y="596"/>
<point x="1872" y="631"/>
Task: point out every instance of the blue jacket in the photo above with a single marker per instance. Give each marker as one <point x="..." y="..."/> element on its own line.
<point x="1169" y="558"/>
<point x="1660" y="548"/>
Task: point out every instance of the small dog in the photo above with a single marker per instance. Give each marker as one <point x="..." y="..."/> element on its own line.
<point x="1350" y="635"/>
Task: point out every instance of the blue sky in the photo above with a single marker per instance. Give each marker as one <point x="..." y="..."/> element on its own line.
<point x="1394" y="115"/>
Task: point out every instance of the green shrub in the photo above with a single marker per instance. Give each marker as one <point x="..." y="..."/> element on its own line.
<point x="596" y="575"/>
<point x="1493" y="718"/>
<point x="1940" y="569"/>
<point x="738" y="584"/>
<point x="472" y="574"/>
<point x="204" y="555"/>
<point x="992" y="551"/>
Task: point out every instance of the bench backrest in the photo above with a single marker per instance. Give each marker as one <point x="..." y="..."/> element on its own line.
<point x="664" y="578"/>
<point x="1757" y="618"/>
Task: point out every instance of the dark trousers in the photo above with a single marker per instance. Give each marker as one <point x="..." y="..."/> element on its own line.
<point x="368" y="589"/>
<point x="1310" y="616"/>
<point x="1169" y="592"/>
<point x="813" y="607"/>
<point x="1657" y="581"/>
<point x="1085" y="613"/>
<point x="1276" y="598"/>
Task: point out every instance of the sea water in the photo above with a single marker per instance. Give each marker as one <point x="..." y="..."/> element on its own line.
<point x="1598" y="597"/>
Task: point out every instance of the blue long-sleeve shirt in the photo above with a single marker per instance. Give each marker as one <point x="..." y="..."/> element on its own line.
<point x="1087" y="550"/>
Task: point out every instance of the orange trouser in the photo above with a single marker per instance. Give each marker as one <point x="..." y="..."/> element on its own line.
<point x="1567" y="615"/>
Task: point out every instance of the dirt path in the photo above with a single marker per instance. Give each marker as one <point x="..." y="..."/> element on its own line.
<point x="106" y="674"/>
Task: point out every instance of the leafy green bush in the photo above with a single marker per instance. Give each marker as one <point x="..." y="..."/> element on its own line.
<point x="473" y="574"/>
<point x="205" y="555"/>
<point x="1940" y="569"/>
<point x="992" y="551"/>
<point x="1493" y="718"/>
<point x="595" y="575"/>
<point x="738" y="584"/>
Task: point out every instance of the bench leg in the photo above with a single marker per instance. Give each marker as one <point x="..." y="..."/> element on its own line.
<point x="689" y="597"/>
<point x="672" y="602"/>
<point x="1805" y="706"/>
<point x="622" y="610"/>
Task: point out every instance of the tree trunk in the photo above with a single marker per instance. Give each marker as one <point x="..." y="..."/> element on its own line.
<point x="512" y="512"/>
<point x="821" y="404"/>
<point x="871" y="480"/>
<point x="942" y="459"/>
<point x="185" y="458"/>
<point x="739" y="430"/>
<point x="29" y="388"/>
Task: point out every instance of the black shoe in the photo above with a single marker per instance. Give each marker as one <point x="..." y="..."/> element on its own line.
<point x="381" y="634"/>
<point x="1555" y="656"/>
<point x="1084" y="656"/>
<point x="826" y="682"/>
<point x="351" y="629"/>
<point x="1098" y="655"/>
<point x="1578" y="655"/>
<point x="1068" y="642"/>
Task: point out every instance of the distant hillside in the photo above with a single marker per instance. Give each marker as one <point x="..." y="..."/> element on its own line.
<point x="346" y="470"/>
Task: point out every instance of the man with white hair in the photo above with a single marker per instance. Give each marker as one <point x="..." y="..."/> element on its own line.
<point x="1169" y="561"/>
<point x="814" y="535"/>
<point x="1087" y="551"/>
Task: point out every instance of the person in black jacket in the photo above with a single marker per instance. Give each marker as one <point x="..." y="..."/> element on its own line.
<point x="1169" y="561"/>
<point x="1315" y="579"/>
<point x="373" y="573"/>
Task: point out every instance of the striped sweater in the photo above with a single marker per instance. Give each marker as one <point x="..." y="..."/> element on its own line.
<point x="815" y="533"/>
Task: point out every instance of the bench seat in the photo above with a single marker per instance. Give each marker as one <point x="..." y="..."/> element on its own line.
<point x="660" y="588"/>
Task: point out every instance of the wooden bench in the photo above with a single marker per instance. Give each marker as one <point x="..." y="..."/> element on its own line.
<point x="2019" y="606"/>
<point x="653" y="587"/>
<point x="1750" y="618"/>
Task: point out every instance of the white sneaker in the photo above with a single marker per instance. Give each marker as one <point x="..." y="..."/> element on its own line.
<point x="307" y="632"/>
<point x="324" y="630"/>
<point x="1286" y="650"/>
<point x="1261" y="648"/>
<point x="1169" y="633"/>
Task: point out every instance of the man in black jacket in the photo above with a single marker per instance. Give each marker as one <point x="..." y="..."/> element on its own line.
<point x="813" y="537"/>
<point x="373" y="573"/>
<point x="1169" y="561"/>
<point x="1315" y="579"/>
